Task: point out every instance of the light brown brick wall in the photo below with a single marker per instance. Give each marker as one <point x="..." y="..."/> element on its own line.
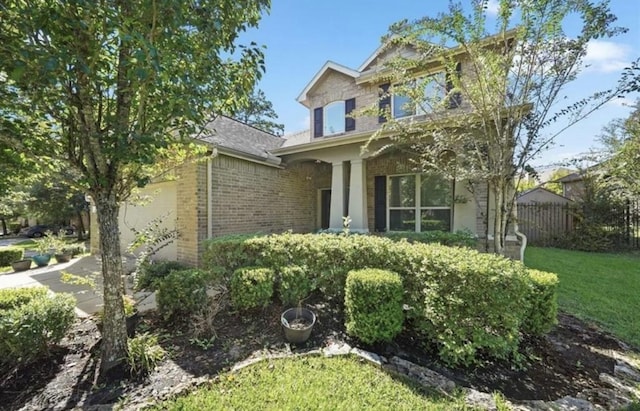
<point x="191" y="213"/>
<point x="249" y="197"/>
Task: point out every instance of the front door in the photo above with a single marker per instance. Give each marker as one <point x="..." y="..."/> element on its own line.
<point x="325" y="208"/>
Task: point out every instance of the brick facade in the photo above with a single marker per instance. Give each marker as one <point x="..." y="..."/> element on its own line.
<point x="191" y="211"/>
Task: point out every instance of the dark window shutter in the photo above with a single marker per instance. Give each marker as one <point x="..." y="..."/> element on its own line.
<point x="380" y="203"/>
<point x="455" y="100"/>
<point x="349" y="106"/>
<point x="317" y="122"/>
<point x="384" y="102"/>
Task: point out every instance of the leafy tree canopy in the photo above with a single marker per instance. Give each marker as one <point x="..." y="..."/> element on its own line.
<point x="259" y="113"/>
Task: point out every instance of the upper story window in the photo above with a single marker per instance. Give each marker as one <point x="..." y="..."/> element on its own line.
<point x="334" y="118"/>
<point x="419" y="202"/>
<point x="433" y="92"/>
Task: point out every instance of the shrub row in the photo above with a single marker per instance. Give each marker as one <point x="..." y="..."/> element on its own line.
<point x="465" y="302"/>
<point x="31" y="321"/>
<point x="182" y="293"/>
<point x="456" y="239"/>
<point x="252" y="287"/>
<point x="9" y="255"/>
<point x="149" y="275"/>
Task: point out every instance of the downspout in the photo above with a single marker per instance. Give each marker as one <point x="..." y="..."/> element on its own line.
<point x="520" y="235"/>
<point x="209" y="197"/>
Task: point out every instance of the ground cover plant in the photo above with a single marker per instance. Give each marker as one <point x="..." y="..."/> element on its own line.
<point x="597" y="287"/>
<point x="312" y="383"/>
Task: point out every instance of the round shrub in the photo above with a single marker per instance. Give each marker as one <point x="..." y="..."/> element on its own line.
<point x="373" y="305"/>
<point x="182" y="293"/>
<point x="150" y="274"/>
<point x="542" y="313"/>
<point x="295" y="284"/>
<point x="15" y="297"/>
<point x="35" y="321"/>
<point x="9" y="255"/>
<point x="252" y="287"/>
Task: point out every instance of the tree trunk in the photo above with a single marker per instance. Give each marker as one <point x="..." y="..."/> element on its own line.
<point x="80" y="227"/>
<point x="498" y="222"/>
<point x="4" y="226"/>
<point x="114" y="331"/>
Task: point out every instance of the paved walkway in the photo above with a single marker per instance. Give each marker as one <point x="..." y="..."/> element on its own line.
<point x="89" y="301"/>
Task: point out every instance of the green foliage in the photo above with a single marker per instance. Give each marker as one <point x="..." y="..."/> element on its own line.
<point x="150" y="274"/>
<point x="149" y="240"/>
<point x="464" y="301"/>
<point x="457" y="239"/>
<point x="259" y="113"/>
<point x="9" y="255"/>
<point x="295" y="284"/>
<point x="144" y="354"/>
<point x="182" y="293"/>
<point x="373" y="305"/>
<point x="75" y="249"/>
<point x="252" y="287"/>
<point x="15" y="297"/>
<point x="223" y="255"/>
<point x="35" y="321"/>
<point x="542" y="312"/>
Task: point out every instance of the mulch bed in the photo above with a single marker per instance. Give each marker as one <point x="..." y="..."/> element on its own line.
<point x="563" y="363"/>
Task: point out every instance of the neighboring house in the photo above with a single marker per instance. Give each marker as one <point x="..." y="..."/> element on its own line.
<point x="572" y="186"/>
<point x="257" y="182"/>
<point x="539" y="195"/>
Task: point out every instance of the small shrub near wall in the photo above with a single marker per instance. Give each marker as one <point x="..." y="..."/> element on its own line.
<point x="373" y="305"/>
<point x="455" y="239"/>
<point x="543" y="305"/>
<point x="252" y="287"/>
<point x="182" y="293"/>
<point x="151" y="274"/>
<point x="9" y="255"/>
<point x="31" y="321"/>
<point x="295" y="284"/>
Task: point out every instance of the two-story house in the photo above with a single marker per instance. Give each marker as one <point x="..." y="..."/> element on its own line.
<point x="257" y="182"/>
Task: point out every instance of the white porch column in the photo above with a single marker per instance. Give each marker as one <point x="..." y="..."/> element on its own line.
<point x="358" y="197"/>
<point x="337" y="197"/>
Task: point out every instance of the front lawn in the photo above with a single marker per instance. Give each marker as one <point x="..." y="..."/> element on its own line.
<point x="597" y="287"/>
<point x="312" y="383"/>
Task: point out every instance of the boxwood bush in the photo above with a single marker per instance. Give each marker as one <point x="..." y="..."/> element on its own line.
<point x="9" y="255"/>
<point x="542" y="312"/>
<point x="31" y="320"/>
<point x="182" y="293"/>
<point x="149" y="275"/>
<point x="456" y="239"/>
<point x="373" y="305"/>
<point x="295" y="284"/>
<point x="465" y="302"/>
<point x="252" y="287"/>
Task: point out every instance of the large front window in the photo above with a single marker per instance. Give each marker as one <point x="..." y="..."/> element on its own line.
<point x="419" y="202"/>
<point x="334" y="118"/>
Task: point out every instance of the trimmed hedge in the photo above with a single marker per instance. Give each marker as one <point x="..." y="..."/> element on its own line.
<point x="33" y="322"/>
<point x="150" y="275"/>
<point x="9" y="255"/>
<point x="455" y="239"/>
<point x="182" y="293"/>
<point x="542" y="314"/>
<point x="252" y="287"/>
<point x="295" y="284"/>
<point x="373" y="305"/>
<point x="464" y="302"/>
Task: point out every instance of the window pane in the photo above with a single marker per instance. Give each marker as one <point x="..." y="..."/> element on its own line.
<point x="435" y="220"/>
<point x="334" y="118"/>
<point x="434" y="90"/>
<point x="402" y="220"/>
<point x="435" y="191"/>
<point x="402" y="106"/>
<point x="402" y="191"/>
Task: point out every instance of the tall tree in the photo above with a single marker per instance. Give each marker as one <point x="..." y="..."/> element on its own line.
<point x="493" y="107"/>
<point x="259" y="113"/>
<point x="113" y="86"/>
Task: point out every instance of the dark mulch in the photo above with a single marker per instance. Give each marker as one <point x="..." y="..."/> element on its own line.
<point x="560" y="364"/>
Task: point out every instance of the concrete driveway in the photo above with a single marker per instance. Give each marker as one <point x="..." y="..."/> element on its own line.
<point x="89" y="301"/>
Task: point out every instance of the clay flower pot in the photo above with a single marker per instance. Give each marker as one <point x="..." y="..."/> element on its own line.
<point x="22" y="265"/>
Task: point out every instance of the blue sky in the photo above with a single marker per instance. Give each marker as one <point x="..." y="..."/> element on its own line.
<point x="301" y="35"/>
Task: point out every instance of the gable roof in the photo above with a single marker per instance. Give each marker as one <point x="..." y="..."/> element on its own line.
<point x="522" y="196"/>
<point x="329" y="65"/>
<point x="236" y="137"/>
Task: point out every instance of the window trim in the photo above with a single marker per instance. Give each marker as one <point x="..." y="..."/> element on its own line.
<point x="417" y="207"/>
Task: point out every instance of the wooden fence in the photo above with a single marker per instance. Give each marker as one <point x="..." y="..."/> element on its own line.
<point x="546" y="223"/>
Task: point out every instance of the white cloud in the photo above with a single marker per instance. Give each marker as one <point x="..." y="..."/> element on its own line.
<point x="607" y="56"/>
<point x="492" y="7"/>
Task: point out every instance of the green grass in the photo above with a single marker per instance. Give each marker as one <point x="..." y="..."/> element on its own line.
<point x="596" y="287"/>
<point x="311" y="383"/>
